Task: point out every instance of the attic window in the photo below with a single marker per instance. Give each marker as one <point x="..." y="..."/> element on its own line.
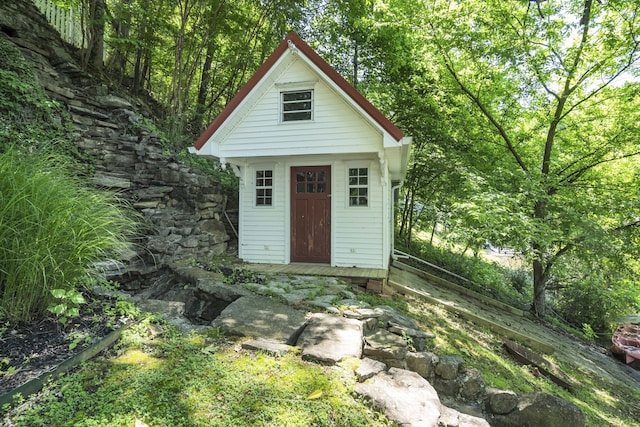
<point x="297" y="105"/>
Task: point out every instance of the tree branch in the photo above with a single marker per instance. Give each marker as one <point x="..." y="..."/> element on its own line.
<point x="567" y="90"/>
<point x="574" y="176"/>
<point x="476" y="100"/>
<point x="570" y="245"/>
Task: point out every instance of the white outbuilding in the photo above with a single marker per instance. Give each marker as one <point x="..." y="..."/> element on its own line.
<point x="317" y="164"/>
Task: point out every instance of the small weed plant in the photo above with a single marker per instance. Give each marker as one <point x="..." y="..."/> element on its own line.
<point x="118" y="306"/>
<point x="66" y="305"/>
<point x="589" y="333"/>
<point x="76" y="338"/>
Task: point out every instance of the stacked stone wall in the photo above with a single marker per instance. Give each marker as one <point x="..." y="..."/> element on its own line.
<point x="182" y="208"/>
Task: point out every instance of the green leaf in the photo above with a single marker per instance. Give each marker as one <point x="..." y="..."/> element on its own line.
<point x="77" y="298"/>
<point x="58" y="310"/>
<point x="59" y="293"/>
<point x="315" y="395"/>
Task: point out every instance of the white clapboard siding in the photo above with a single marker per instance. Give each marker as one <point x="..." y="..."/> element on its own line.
<point x="262" y="237"/>
<point x="359" y="230"/>
<point x="357" y="233"/>
<point x="336" y="127"/>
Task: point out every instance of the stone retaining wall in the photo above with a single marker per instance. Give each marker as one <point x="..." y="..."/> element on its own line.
<point x="182" y="208"/>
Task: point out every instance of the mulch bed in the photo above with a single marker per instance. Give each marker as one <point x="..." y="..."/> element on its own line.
<point x="28" y="350"/>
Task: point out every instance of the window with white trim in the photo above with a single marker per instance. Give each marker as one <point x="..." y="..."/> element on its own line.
<point x="296" y="105"/>
<point x="358" y="186"/>
<point x="264" y="187"/>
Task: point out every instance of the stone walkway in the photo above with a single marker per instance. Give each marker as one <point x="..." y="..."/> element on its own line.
<point x="324" y="320"/>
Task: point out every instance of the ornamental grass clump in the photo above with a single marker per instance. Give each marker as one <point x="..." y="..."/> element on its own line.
<point x="52" y="228"/>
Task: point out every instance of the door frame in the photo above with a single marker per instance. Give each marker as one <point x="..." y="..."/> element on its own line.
<point x="329" y="211"/>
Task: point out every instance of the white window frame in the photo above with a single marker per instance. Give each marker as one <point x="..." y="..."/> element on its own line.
<point x="263" y="187"/>
<point x="362" y="183"/>
<point x="310" y="110"/>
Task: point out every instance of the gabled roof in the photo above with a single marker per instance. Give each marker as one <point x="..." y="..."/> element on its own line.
<point x="329" y="72"/>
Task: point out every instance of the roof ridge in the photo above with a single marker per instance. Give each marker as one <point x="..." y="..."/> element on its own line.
<point x="294" y="39"/>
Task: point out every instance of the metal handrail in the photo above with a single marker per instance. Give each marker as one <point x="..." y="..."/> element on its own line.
<point x="436" y="267"/>
<point x="231" y="224"/>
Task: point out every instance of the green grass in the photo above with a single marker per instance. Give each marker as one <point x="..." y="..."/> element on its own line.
<point x="584" y="306"/>
<point x="52" y="228"/>
<point x="162" y="378"/>
<point x="603" y="402"/>
<point x="197" y="380"/>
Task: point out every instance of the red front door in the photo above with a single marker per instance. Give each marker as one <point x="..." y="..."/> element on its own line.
<point x="311" y="214"/>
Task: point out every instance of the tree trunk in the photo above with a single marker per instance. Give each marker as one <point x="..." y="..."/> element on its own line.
<point x="203" y="89"/>
<point x="138" y="73"/>
<point x="433" y="230"/>
<point x="198" y="120"/>
<point x="539" y="269"/>
<point x="411" y="220"/>
<point x="117" y="63"/>
<point x="95" y="54"/>
<point x="405" y="213"/>
<point x="539" y="289"/>
<point x="355" y="63"/>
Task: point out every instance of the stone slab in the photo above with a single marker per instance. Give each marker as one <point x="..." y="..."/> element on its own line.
<point x="209" y="289"/>
<point x="404" y="396"/>
<point x="414" y="333"/>
<point x="501" y="401"/>
<point x="364" y="313"/>
<point x="368" y="368"/>
<point x="542" y="409"/>
<point x="171" y="311"/>
<point x="260" y="317"/>
<point x="399" y="319"/>
<point x="381" y="338"/>
<point x="452" y="418"/>
<point x="329" y="338"/>
<point x="271" y="347"/>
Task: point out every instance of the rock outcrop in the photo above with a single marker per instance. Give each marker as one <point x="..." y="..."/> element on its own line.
<point x="541" y="409"/>
<point x="405" y="397"/>
<point x="182" y="207"/>
<point x="328" y="338"/>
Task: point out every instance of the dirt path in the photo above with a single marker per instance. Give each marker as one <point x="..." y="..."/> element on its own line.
<point x="587" y="357"/>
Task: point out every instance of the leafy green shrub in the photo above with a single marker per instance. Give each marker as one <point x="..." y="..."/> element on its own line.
<point x="597" y="295"/>
<point x="51" y="229"/>
<point x="596" y="302"/>
<point x="66" y="304"/>
<point x="224" y="176"/>
<point x="520" y="280"/>
<point x="506" y="285"/>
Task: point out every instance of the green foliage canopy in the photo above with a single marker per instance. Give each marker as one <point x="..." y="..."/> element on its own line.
<point x="525" y="122"/>
<point x="546" y="82"/>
